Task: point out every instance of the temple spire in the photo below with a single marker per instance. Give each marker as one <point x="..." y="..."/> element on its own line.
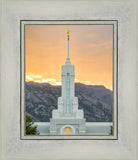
<point x="68" y="59"/>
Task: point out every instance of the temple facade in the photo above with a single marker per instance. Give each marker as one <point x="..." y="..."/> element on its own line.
<point x="67" y="119"/>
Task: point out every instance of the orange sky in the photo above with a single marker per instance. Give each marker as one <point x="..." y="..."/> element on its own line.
<point x="91" y="52"/>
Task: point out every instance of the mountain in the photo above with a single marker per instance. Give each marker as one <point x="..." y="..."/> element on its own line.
<point x="41" y="99"/>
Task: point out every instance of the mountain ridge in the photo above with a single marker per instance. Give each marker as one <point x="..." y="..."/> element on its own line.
<point x="41" y="99"/>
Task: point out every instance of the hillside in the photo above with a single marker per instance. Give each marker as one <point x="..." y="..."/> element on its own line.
<point x="41" y="99"/>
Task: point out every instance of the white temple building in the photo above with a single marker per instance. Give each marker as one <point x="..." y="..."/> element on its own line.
<point x="67" y="119"/>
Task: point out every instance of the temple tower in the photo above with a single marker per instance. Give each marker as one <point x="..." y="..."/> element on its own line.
<point x="67" y="119"/>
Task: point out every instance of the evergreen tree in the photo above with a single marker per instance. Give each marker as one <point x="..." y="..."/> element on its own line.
<point x="30" y="129"/>
<point x="111" y="130"/>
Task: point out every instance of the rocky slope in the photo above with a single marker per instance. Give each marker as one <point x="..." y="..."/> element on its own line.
<point x="41" y="99"/>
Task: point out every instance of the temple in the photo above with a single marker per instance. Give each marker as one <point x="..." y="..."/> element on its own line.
<point x="67" y="119"/>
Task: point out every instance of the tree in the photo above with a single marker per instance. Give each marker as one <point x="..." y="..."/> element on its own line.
<point x="111" y="130"/>
<point x="30" y="128"/>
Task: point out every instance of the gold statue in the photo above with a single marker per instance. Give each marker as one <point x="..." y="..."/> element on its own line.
<point x="68" y="32"/>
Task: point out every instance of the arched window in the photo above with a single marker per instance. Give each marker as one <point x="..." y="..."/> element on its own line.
<point x="67" y="131"/>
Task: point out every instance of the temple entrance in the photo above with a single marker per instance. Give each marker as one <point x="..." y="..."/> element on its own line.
<point x="67" y="131"/>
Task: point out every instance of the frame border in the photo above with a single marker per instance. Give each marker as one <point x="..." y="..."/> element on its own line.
<point x="115" y="79"/>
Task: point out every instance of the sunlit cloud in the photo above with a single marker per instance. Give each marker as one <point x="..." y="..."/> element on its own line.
<point x="87" y="82"/>
<point x="29" y="78"/>
<point x="48" y="80"/>
<point x="37" y="76"/>
<point x="58" y="83"/>
<point x="84" y="82"/>
<point x="44" y="80"/>
<point x="37" y="81"/>
<point x="51" y="80"/>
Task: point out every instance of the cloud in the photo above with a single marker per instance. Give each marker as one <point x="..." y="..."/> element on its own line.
<point x="51" y="80"/>
<point x="37" y="76"/>
<point x="44" y="80"/>
<point x="87" y="82"/>
<point x="29" y="78"/>
<point x="37" y="81"/>
<point x="58" y="83"/>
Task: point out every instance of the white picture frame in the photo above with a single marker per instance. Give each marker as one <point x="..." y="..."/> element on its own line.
<point x="114" y="24"/>
<point x="12" y="147"/>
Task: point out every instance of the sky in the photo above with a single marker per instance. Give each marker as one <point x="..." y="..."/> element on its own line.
<point x="91" y="52"/>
